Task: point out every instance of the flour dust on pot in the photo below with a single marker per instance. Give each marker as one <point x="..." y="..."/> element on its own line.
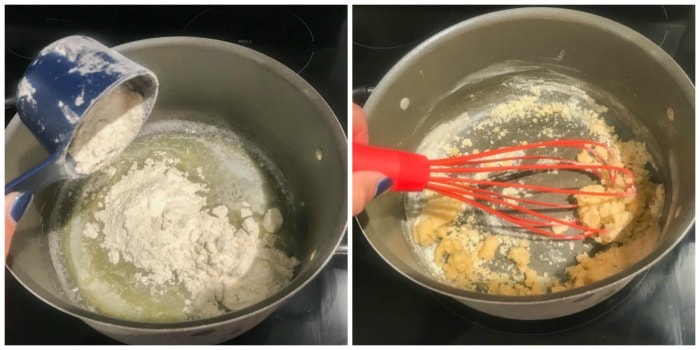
<point x="514" y="78"/>
<point x="209" y="220"/>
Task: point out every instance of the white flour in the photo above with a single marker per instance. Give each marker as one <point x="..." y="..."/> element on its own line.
<point x="155" y="218"/>
<point x="26" y="90"/>
<point x="110" y="125"/>
<point x="88" y="58"/>
<point x="94" y="62"/>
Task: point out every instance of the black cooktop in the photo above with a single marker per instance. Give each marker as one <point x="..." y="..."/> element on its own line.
<point x="657" y="307"/>
<point x="311" y="40"/>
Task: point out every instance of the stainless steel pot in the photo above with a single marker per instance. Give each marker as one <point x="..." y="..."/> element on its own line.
<point x="257" y="97"/>
<point x="624" y="63"/>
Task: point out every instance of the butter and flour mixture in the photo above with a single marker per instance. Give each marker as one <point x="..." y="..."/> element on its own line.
<point x="180" y="227"/>
<point x="469" y="249"/>
<point x="155" y="219"/>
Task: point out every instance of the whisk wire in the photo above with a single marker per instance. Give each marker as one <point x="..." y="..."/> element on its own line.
<point x="528" y="224"/>
<point x="458" y="177"/>
<point x="474" y="191"/>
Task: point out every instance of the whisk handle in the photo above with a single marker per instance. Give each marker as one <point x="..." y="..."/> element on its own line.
<point x="408" y="171"/>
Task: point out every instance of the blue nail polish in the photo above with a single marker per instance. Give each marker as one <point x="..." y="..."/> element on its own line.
<point x="19" y="206"/>
<point x="383" y="186"/>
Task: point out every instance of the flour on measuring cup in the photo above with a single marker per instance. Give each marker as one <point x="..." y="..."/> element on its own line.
<point x="26" y="91"/>
<point x="110" y="125"/>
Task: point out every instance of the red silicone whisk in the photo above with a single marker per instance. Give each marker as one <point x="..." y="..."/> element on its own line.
<point x="415" y="172"/>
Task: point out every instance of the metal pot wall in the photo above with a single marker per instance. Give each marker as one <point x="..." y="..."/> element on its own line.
<point x="257" y="97"/>
<point x="624" y="63"/>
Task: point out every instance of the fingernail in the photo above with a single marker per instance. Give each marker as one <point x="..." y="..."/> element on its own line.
<point x="383" y="186"/>
<point x="19" y="206"/>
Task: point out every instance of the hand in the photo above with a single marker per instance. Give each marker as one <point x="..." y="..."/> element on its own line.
<point x="366" y="185"/>
<point x="15" y="205"/>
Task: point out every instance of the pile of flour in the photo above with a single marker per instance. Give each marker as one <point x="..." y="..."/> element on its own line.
<point x="108" y="128"/>
<point x="155" y="218"/>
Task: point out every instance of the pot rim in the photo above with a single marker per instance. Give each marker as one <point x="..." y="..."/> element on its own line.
<point x="271" y="302"/>
<point x="616" y="29"/>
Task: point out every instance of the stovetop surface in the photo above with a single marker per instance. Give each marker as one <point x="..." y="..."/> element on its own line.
<point x="657" y="307"/>
<point x="311" y="40"/>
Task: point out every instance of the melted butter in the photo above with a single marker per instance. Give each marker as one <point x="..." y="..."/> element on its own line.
<point x="233" y="173"/>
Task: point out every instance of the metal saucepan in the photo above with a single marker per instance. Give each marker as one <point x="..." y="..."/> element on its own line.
<point x="429" y="89"/>
<point x="252" y="95"/>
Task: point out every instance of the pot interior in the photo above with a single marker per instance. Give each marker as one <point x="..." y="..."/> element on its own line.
<point x="246" y="94"/>
<point x="457" y="71"/>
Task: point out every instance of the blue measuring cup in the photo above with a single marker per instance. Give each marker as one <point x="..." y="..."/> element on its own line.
<point x="60" y="86"/>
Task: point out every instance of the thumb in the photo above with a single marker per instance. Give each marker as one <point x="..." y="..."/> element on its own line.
<point x="15" y="205"/>
<point x="10" y="222"/>
<point x="366" y="185"/>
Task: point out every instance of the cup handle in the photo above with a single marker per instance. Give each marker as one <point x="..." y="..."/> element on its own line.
<point x="48" y="171"/>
